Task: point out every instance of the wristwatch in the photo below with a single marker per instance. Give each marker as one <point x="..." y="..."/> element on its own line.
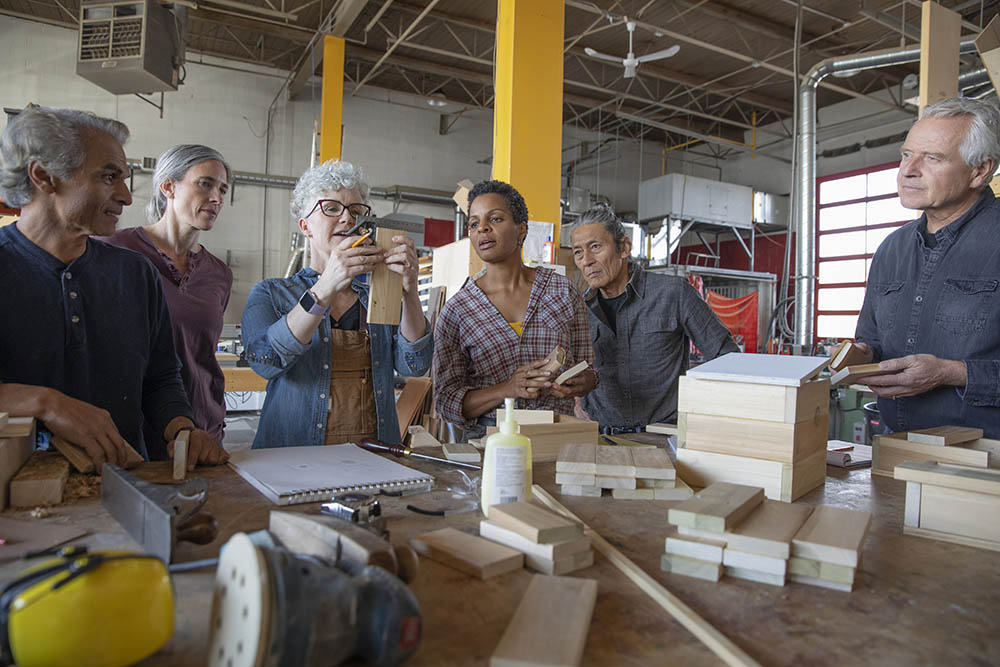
<point x="311" y="306"/>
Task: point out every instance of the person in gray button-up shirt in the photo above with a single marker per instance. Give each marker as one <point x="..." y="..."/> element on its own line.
<point x="641" y="324"/>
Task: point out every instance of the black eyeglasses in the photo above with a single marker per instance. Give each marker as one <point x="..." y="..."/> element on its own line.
<point x="332" y="208"/>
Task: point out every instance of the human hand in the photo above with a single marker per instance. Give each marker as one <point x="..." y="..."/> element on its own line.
<point x="402" y="259"/>
<point x="202" y="448"/>
<point x="867" y="352"/>
<point x="528" y="380"/>
<point x="914" y="374"/>
<point x="343" y="264"/>
<point x="579" y="385"/>
<point x="84" y="425"/>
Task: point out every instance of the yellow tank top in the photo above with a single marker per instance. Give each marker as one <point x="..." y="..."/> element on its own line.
<point x="517" y="327"/>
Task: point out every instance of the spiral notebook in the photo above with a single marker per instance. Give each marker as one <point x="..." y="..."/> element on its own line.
<point x="292" y="475"/>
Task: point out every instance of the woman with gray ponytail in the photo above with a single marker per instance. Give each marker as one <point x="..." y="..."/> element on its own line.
<point x="189" y="188"/>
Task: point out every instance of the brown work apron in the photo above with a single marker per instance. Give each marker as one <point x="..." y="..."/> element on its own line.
<point x="352" y="412"/>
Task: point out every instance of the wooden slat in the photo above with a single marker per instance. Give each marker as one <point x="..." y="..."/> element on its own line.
<point x="535" y="523"/>
<point x="577" y="458"/>
<point x="944" y="435"/>
<point x="832" y="534"/>
<point x="552" y="551"/>
<point x="965" y="513"/>
<point x="17" y="441"/>
<point x="691" y="567"/>
<point x="653" y="463"/>
<point x="965" y="478"/>
<point x="80" y="460"/>
<point x="468" y="553"/>
<point x="550" y="624"/>
<point x="718" y="507"/>
<point x="615" y="462"/>
<point x="810" y="567"/>
<point x="411" y="402"/>
<point x="891" y="450"/>
<point x="940" y="34"/>
<point x="851" y="374"/>
<point x="774" y="441"/>
<point x="385" y="297"/>
<point x="700" y="548"/>
<point x="769" y="529"/>
<point x="745" y="400"/>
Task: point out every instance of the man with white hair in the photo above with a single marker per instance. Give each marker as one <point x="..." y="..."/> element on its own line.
<point x="931" y="313"/>
<point x="85" y="341"/>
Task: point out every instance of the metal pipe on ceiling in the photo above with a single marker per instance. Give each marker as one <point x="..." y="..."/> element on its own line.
<point x="805" y="173"/>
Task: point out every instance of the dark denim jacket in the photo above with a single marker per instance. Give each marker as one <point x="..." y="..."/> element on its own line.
<point x="942" y="301"/>
<point x="295" y="408"/>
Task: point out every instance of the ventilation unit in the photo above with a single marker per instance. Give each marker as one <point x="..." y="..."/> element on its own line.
<point x="131" y="46"/>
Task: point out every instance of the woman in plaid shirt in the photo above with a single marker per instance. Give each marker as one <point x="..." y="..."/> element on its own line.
<point x="495" y="334"/>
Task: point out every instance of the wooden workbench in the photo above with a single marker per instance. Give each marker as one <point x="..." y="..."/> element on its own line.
<point x="916" y="601"/>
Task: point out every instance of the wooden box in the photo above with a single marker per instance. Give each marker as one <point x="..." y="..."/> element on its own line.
<point x="748" y="400"/>
<point x="548" y="439"/>
<point x="17" y="441"/>
<point x="890" y="450"/>
<point x="780" y="481"/>
<point x="771" y="440"/>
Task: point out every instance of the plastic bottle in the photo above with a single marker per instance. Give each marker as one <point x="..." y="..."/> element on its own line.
<point x="506" y="464"/>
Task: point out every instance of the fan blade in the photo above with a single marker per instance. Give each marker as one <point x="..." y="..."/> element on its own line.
<point x="602" y="56"/>
<point x="659" y="55"/>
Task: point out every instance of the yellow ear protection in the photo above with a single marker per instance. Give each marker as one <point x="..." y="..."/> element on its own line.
<point x="110" y="608"/>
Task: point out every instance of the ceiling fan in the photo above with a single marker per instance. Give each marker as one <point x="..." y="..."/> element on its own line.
<point x="631" y="62"/>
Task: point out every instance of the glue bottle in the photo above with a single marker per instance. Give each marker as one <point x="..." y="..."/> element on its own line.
<point x="506" y="464"/>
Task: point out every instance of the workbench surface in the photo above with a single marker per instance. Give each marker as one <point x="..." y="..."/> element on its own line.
<point x="916" y="601"/>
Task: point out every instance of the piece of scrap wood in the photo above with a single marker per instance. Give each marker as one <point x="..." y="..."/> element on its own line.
<point x="181" y="455"/>
<point x="571" y="372"/>
<point x="386" y="292"/>
<point x="945" y="435"/>
<point x="833" y="535"/>
<point x="467" y="553"/>
<point x="615" y="462"/>
<point x="460" y="451"/>
<point x="420" y="437"/>
<point x="851" y="374"/>
<point x="80" y="460"/>
<point x="718" y="507"/>
<point x="577" y="458"/>
<point x="550" y="624"/>
<point x="40" y="481"/>
<point x="717" y="642"/>
<point x="535" y="523"/>
<point x="553" y="551"/>
<point x="965" y="478"/>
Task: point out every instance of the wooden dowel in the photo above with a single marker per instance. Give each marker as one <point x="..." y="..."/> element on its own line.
<point x="717" y="642"/>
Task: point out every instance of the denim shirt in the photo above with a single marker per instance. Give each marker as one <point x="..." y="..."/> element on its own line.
<point x="298" y="375"/>
<point x="941" y="301"/>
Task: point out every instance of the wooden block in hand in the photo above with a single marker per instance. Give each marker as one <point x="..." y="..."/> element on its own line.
<point x="181" y="455"/>
<point x="851" y="374"/>
<point x="385" y="297"/>
<point x="467" y="553"/>
<point x="80" y="460"/>
<point x="550" y="625"/>
<point x="945" y="435"/>
<point x="40" y="481"/>
<point x="832" y="535"/>
<point x="846" y="354"/>
<point x="718" y="507"/>
<point x="535" y="523"/>
<point x="571" y="372"/>
<point x="555" y="360"/>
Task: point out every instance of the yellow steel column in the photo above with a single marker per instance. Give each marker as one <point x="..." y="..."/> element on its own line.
<point x="332" y="106"/>
<point x="527" y="109"/>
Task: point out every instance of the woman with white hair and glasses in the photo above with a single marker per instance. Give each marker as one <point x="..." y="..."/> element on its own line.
<point x="330" y="372"/>
<point x="189" y="187"/>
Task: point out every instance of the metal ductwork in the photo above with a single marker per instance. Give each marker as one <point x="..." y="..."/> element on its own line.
<point x="805" y="170"/>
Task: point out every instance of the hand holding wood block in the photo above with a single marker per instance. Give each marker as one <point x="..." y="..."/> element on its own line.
<point x="385" y="296"/>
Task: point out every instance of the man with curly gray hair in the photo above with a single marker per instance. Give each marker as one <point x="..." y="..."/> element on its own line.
<point x="931" y="314"/>
<point x="87" y="348"/>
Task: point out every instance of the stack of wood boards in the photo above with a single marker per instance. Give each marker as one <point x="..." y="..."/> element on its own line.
<point x="731" y="529"/>
<point x="631" y="473"/>
<point x="466" y="553"/>
<point x="549" y="431"/>
<point x="551" y="543"/>
<point x="760" y="421"/>
<point x="953" y="503"/>
<point x="17" y="441"/>
<point x="944" y="444"/>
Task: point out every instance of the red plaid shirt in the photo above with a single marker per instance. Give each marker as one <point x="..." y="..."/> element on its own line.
<point x="474" y="347"/>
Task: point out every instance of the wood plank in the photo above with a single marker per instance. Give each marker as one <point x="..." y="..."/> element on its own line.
<point x="889" y="452"/>
<point x="550" y="624"/>
<point x="615" y="462"/>
<point x="467" y="553"/>
<point x="744" y="400"/>
<point x="965" y="478"/>
<point x="691" y="567"/>
<point x="633" y="494"/>
<point x="242" y="378"/>
<point x="756" y="562"/>
<point x="755" y="576"/>
<point x="571" y="372"/>
<point x="535" y="523"/>
<point x="82" y="462"/>
<point x="578" y="459"/>
<point x="644" y="483"/>
<point x="461" y="451"/>
<point x="578" y="479"/>
<point x="851" y="374"/>
<point x="680" y="491"/>
<point x="717" y="642"/>
<point x="551" y="551"/>
<point x="40" y="481"/>
<point x="571" y="563"/>
<point x="847" y="354"/>
<point x="785" y="370"/>
<point x="17" y="441"/>
<point x="810" y="567"/>
<point x="180" y="455"/>
<point x="965" y="513"/>
<point x="780" y="481"/>
<point x="822" y="583"/>
<point x="609" y="482"/>
<point x="411" y="402"/>
<point x="718" y="507"/>
<point x="769" y="529"/>
<point x="653" y="463"/>
<point x="947" y="537"/>
<point x="944" y="435"/>
<point x="911" y="511"/>
<point x="421" y="437"/>
<point x="385" y="295"/>
<point x="522" y="416"/>
<point x="774" y="441"/>
<point x="699" y="548"/>
<point x="578" y="490"/>
<point x="832" y="534"/>
<point x="940" y="35"/>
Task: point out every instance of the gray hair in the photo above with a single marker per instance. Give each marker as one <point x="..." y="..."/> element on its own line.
<point x="331" y="175"/>
<point x="605" y="216"/>
<point x="173" y="165"/>
<point x="982" y="141"/>
<point x="51" y="137"/>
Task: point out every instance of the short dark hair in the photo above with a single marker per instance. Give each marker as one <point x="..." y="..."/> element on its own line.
<point x="515" y="202"/>
<point x="605" y="216"/>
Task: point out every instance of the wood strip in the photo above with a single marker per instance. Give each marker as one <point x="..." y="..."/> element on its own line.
<point x="944" y="435"/>
<point x="743" y="400"/>
<point x="633" y="494"/>
<point x="820" y="582"/>
<point x="180" y="455"/>
<point x="534" y="523"/>
<point x="40" y="481"/>
<point x="577" y="458"/>
<point x="769" y="529"/>
<point x="411" y="402"/>
<point x="571" y="372"/>
<point x="550" y="624"/>
<point x="565" y="565"/>
<point x="718" y="643"/>
<point x="700" y="548"/>
<point x="680" y="491"/>
<point x="756" y="576"/>
<point x="553" y="551"/>
<point x="524" y="417"/>
<point x="851" y="374"/>
<point x="833" y="534"/>
<point x="965" y="513"/>
<point x="846" y="354"/>
<point x="385" y="296"/>
<point x="575" y="478"/>
<point x="461" y="451"/>
<point x="467" y="553"/>
<point x="966" y="478"/>
<point x="888" y="452"/>
<point x="662" y="429"/>
<point x="690" y="567"/>
<point x="615" y="462"/>
<point x="578" y="490"/>
<point x="653" y="463"/>
<point x="718" y="507"/>
<point x="608" y="482"/>
<point x="758" y="563"/>
<point x="810" y="567"/>
<point x="954" y="539"/>
<point x="80" y="460"/>
<point x="774" y="441"/>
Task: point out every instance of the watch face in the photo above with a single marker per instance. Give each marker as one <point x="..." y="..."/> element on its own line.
<point x="307" y="301"/>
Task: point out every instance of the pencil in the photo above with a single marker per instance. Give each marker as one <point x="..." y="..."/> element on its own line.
<point x="360" y="240"/>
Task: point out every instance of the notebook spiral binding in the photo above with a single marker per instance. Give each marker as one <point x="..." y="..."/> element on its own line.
<point x="314" y="495"/>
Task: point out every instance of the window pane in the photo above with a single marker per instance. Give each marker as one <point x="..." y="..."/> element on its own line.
<point x="844" y="271"/>
<point x="836" y="326"/>
<point x="842" y="189"/>
<point x="838" y="217"/>
<point x="841" y="298"/>
<point x="889" y="210"/>
<point x="838" y="245"/>
<point x="874" y="237"/>
<point x="882" y="182"/>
